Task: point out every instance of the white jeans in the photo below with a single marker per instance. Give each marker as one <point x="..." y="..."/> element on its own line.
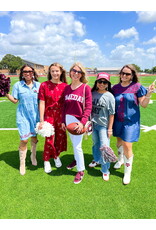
<point x="77" y="145"/>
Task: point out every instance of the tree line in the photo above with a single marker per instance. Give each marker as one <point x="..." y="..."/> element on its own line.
<point x="13" y="63"/>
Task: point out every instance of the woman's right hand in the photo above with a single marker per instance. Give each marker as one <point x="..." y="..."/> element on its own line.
<point x="41" y="125"/>
<point x="63" y="127"/>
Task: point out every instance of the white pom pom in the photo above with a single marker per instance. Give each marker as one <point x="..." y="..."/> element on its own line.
<point x="46" y="131"/>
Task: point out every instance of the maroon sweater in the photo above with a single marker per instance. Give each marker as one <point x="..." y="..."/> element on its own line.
<point x="78" y="103"/>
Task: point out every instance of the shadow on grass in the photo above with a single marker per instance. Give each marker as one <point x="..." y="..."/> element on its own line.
<point x="12" y="158"/>
<point x="96" y="171"/>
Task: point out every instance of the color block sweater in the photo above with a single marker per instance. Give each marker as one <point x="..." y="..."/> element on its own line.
<point x="78" y="103"/>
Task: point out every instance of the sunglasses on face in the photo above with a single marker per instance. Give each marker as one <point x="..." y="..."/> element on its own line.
<point x="25" y="71"/>
<point x="76" y="71"/>
<point x="127" y="74"/>
<point x="102" y="82"/>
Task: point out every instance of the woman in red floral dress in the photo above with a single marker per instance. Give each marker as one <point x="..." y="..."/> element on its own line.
<point x="50" y="106"/>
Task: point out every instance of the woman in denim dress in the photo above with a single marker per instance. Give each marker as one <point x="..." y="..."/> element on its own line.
<point x="129" y="96"/>
<point x="25" y="93"/>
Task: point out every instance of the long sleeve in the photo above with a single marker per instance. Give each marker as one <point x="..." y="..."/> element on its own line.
<point x="88" y="105"/>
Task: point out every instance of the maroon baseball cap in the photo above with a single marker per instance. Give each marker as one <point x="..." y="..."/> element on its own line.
<point x="103" y="75"/>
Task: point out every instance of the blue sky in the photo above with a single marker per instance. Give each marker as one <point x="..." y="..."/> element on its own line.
<point x="95" y="38"/>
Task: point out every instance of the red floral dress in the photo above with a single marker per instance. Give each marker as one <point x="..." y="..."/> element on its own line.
<point x="52" y="94"/>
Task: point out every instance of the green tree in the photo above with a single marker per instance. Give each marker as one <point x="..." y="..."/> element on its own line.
<point x="11" y="62"/>
<point x="154" y="69"/>
<point x="147" y="70"/>
<point x="137" y="68"/>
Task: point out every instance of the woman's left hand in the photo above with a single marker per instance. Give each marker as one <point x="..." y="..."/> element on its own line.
<point x="151" y="88"/>
<point x="109" y="133"/>
<point x="79" y="127"/>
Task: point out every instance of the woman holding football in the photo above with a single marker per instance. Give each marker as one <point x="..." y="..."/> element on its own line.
<point x="77" y="108"/>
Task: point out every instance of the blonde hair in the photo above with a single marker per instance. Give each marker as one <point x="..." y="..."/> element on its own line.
<point x="83" y="79"/>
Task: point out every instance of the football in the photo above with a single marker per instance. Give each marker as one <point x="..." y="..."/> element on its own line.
<point x="71" y="129"/>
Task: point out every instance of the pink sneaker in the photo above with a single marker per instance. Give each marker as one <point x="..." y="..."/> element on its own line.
<point x="78" y="178"/>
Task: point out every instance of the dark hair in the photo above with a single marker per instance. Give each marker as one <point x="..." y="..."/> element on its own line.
<point x="133" y="70"/>
<point x="21" y="72"/>
<point x="63" y="74"/>
<point x="95" y="88"/>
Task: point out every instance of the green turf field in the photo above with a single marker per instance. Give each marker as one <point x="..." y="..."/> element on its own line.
<point x="38" y="195"/>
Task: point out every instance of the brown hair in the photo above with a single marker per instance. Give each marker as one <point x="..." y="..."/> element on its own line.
<point x="133" y="70"/>
<point x="63" y="72"/>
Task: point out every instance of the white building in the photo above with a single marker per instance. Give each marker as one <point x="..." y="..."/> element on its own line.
<point x="110" y="70"/>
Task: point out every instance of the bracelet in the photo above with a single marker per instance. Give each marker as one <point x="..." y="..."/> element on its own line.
<point x="110" y="130"/>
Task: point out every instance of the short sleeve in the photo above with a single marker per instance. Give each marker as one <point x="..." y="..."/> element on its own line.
<point x="142" y="91"/>
<point x="111" y="105"/>
<point x="15" y="91"/>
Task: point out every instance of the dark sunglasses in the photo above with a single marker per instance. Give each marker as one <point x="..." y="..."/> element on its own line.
<point x="29" y="71"/>
<point x="127" y="74"/>
<point x="76" y="71"/>
<point x="102" y="82"/>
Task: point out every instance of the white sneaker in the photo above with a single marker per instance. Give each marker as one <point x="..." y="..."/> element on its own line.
<point x="105" y="176"/>
<point x="93" y="164"/>
<point x="118" y="165"/>
<point x="58" y="162"/>
<point x="47" y="167"/>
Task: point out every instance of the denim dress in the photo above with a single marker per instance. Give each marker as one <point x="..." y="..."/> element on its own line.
<point x="127" y="117"/>
<point x="27" y="114"/>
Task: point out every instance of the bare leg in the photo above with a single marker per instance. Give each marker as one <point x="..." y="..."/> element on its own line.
<point x="33" y="150"/>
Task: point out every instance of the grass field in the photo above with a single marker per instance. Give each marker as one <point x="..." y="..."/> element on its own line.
<point x="38" y="195"/>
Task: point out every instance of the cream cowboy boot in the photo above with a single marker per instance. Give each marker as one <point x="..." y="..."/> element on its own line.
<point x="127" y="169"/>
<point x="33" y="153"/>
<point x="120" y="158"/>
<point x="22" y="156"/>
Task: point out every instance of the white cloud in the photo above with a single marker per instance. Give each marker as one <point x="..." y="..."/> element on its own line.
<point x="46" y="37"/>
<point x="79" y="28"/>
<point x="129" y="54"/>
<point x="151" y="41"/>
<point x="42" y="37"/>
<point x="89" y="42"/>
<point x="146" y="16"/>
<point x="123" y="34"/>
<point x="152" y="50"/>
